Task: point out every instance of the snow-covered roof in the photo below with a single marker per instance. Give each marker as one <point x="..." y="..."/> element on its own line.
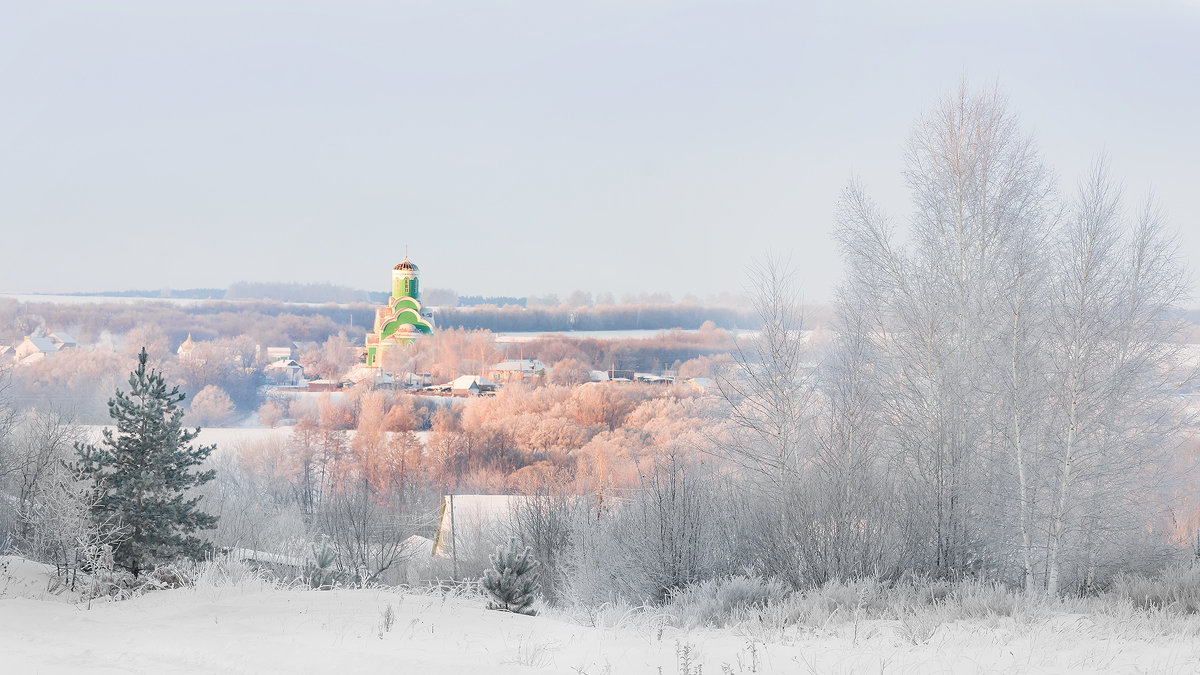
<point x="520" y="365"/>
<point x="32" y="358"/>
<point x="464" y="382"/>
<point x="649" y="377"/>
<point x="473" y="516"/>
<point x="365" y="373"/>
<point x="44" y="344"/>
<point x="417" y="545"/>
<point x="265" y="557"/>
<point x="64" y="338"/>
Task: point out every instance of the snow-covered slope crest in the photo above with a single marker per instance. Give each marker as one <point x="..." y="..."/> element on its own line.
<point x="264" y="629"/>
<point x="21" y="578"/>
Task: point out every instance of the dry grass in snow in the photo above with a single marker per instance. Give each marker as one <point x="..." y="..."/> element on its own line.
<point x="235" y="622"/>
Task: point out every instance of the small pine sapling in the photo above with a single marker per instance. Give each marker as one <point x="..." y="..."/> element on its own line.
<point x="513" y="579"/>
<point x="320" y="571"/>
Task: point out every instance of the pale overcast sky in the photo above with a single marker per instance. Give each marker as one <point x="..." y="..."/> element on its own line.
<point x="533" y="147"/>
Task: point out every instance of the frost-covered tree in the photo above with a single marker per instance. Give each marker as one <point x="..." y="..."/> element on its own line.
<point x="935" y="306"/>
<point x="43" y="440"/>
<point x="211" y="406"/>
<point x="1117" y="281"/>
<point x="513" y="579"/>
<point x="1022" y="349"/>
<point x="142" y="472"/>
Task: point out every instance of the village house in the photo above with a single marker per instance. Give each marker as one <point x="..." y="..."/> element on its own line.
<point x="473" y="521"/>
<point x="324" y="385"/>
<point x="274" y="354"/>
<point x="375" y="377"/>
<point x="37" y="347"/>
<point x="516" y="370"/>
<point x="471" y="385"/>
<point x="285" y="372"/>
<point x="64" y="340"/>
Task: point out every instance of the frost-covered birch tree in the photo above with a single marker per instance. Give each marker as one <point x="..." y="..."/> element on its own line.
<point x="769" y="399"/>
<point x="978" y="185"/>
<point x="1112" y="348"/>
<point x="1022" y="350"/>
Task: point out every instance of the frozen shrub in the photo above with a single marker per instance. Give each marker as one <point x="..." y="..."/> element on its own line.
<point x="1176" y="588"/>
<point x="226" y="571"/>
<point x="675" y="530"/>
<point x="544" y="521"/>
<point x="976" y="599"/>
<point x="168" y="576"/>
<point x="717" y="601"/>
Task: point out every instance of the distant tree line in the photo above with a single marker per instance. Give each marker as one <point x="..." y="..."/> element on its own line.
<point x="668" y="349"/>
<point x="295" y="292"/>
<point x="185" y="293"/>
<point x="268" y="323"/>
<point x="619" y="317"/>
<point x="279" y="323"/>
<point x="498" y="301"/>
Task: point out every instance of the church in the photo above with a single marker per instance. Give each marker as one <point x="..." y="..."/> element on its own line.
<point x="399" y="322"/>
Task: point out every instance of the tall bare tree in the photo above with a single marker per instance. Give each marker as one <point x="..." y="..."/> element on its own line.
<point x="767" y="392"/>
<point x="978" y="188"/>
<point x="1023" y="348"/>
<point x="1112" y="353"/>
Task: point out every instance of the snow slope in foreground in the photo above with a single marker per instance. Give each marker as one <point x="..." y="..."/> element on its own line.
<point x="266" y="630"/>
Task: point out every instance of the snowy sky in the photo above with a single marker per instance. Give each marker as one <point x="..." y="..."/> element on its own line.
<point x="534" y="147"/>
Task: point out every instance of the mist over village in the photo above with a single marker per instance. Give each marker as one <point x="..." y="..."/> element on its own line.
<point x="630" y="338"/>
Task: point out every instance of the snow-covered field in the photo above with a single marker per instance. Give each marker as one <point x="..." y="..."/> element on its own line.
<point x="253" y="627"/>
<point x="222" y="437"/>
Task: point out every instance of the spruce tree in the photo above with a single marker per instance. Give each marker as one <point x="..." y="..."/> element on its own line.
<point x="142" y="472"/>
<point x="513" y="580"/>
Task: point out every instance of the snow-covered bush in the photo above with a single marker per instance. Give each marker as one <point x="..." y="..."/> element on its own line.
<point x="717" y="601"/>
<point x="679" y="528"/>
<point x="545" y="521"/>
<point x="1176" y="588"/>
<point x="227" y="571"/>
<point x="513" y="580"/>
